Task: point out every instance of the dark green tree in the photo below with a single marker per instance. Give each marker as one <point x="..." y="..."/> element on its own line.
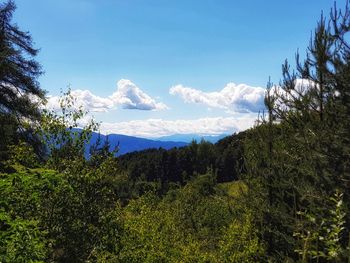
<point x="20" y="90"/>
<point x="299" y="153"/>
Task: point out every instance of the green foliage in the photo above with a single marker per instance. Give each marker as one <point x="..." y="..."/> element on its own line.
<point x="74" y="217"/>
<point x="21" y="240"/>
<point x="22" y="154"/>
<point x="150" y="234"/>
<point x="23" y="235"/>
<point x="85" y="206"/>
<point x="241" y="243"/>
<point x="58" y="131"/>
<point x="234" y="189"/>
<point x="188" y="225"/>
<point x="320" y="234"/>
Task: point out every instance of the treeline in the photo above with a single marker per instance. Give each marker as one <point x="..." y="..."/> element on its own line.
<point x="178" y="165"/>
<point x="279" y="192"/>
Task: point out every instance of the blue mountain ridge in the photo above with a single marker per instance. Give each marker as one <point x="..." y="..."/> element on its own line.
<point x="130" y="143"/>
<point x="126" y="143"/>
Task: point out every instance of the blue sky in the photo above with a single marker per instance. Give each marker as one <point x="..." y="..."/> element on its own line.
<point x="182" y="66"/>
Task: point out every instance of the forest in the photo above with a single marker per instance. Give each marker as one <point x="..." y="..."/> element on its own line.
<point x="278" y="192"/>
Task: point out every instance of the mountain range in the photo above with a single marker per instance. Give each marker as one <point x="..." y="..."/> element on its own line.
<point x="127" y="143"/>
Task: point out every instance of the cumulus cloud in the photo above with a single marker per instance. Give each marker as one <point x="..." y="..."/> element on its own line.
<point x="237" y="98"/>
<point x="158" y="127"/>
<point x="85" y="99"/>
<point x="127" y="96"/>
<point x="286" y="96"/>
<point x="53" y="103"/>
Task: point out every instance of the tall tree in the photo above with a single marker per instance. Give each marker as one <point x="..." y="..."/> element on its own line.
<point x="300" y="152"/>
<point x="20" y="92"/>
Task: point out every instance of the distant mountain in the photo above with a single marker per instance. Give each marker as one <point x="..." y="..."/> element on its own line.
<point x="189" y="137"/>
<point x="130" y="143"/>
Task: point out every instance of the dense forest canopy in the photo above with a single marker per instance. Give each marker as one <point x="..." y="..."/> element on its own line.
<point x="278" y="192"/>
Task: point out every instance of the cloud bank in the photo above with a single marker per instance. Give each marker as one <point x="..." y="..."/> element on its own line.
<point x="127" y="96"/>
<point x="158" y="127"/>
<point x="236" y="98"/>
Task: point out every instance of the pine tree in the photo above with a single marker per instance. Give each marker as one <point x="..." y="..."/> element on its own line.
<point x="20" y="92"/>
<point x="300" y="152"/>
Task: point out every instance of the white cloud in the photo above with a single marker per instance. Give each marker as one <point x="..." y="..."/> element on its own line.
<point x="85" y="99"/>
<point x="286" y="96"/>
<point x="53" y="103"/>
<point x="92" y="102"/>
<point x="158" y="127"/>
<point x="127" y="95"/>
<point x="236" y="98"/>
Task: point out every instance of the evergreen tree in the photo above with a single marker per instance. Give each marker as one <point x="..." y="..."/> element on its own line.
<point x="299" y="152"/>
<point x="20" y="92"/>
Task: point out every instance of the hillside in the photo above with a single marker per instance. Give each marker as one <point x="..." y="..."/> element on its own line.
<point x="225" y="158"/>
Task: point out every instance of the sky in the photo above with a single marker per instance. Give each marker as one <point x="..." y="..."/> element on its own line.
<point x="155" y="68"/>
